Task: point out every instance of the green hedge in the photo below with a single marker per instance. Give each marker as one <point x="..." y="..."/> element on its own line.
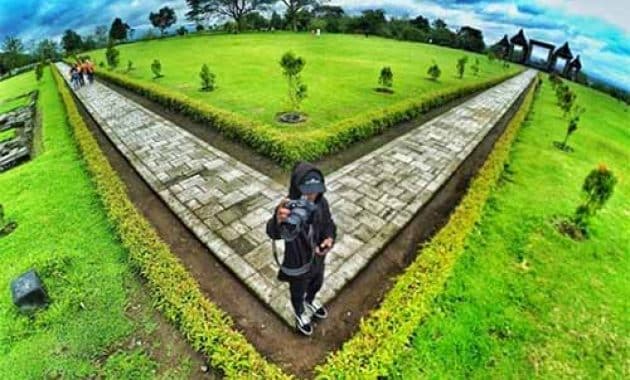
<point x="174" y="292"/>
<point x="309" y="146"/>
<point x="386" y="331"/>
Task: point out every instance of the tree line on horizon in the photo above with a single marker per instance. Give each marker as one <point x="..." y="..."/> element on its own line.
<point x="302" y="15"/>
<point x="236" y="16"/>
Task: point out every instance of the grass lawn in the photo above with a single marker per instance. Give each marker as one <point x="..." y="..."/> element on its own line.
<point x="16" y="86"/>
<point x="7" y="135"/>
<point x="524" y="300"/>
<point x="13" y="104"/>
<point x="97" y="305"/>
<point x="341" y="72"/>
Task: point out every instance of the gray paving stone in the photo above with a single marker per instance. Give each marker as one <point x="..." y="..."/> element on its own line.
<point x="226" y="203"/>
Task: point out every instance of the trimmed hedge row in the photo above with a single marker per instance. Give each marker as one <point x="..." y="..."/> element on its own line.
<point x="174" y="292"/>
<point x="309" y="146"/>
<point x="387" y="330"/>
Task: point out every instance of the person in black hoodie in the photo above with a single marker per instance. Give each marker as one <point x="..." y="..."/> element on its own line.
<point x="303" y="263"/>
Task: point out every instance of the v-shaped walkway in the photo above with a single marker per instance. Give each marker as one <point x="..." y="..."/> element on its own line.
<point x="227" y="204"/>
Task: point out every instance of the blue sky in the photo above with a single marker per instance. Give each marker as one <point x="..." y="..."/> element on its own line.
<point x="597" y="30"/>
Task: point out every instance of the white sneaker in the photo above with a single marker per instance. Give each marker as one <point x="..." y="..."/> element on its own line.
<point x="317" y="309"/>
<point x="303" y="324"/>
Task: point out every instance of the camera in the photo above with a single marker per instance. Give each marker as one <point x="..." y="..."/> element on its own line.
<point x="301" y="216"/>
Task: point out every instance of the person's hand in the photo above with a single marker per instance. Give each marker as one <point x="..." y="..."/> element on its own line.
<point x="282" y="213"/>
<point x="325" y="246"/>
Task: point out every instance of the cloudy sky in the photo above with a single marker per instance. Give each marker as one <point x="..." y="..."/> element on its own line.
<point x="598" y="30"/>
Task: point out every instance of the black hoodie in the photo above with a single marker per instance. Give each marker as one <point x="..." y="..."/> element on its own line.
<point x="298" y="252"/>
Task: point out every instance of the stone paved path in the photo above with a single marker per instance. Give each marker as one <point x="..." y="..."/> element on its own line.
<point x="226" y="203"/>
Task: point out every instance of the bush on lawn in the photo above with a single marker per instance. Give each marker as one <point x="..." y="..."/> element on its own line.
<point x="156" y="68"/>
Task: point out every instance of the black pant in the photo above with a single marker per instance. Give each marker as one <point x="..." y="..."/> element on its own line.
<point x="305" y="289"/>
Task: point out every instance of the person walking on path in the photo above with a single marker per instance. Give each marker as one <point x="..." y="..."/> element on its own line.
<point x="80" y="73"/>
<point x="88" y="69"/>
<point x="74" y="77"/>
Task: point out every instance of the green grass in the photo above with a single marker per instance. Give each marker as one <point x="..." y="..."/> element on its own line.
<point x="341" y="72"/>
<point x="524" y="300"/>
<point x="63" y="233"/>
<point x="7" y="135"/>
<point x="16" y="86"/>
<point x="12" y="104"/>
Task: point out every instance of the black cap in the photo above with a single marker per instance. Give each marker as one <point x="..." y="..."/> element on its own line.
<point x="312" y="183"/>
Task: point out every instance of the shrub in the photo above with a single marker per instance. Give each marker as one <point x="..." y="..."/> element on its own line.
<point x="566" y="98"/>
<point x="156" y="68"/>
<point x="291" y="68"/>
<point x="475" y="67"/>
<point x="572" y="125"/>
<point x="112" y="55"/>
<point x="461" y="66"/>
<point x="101" y="64"/>
<point x="199" y="27"/>
<point x="434" y="71"/>
<point x="129" y="66"/>
<point x="555" y="80"/>
<point x="39" y="71"/>
<point x="182" y="31"/>
<point x="386" y="78"/>
<point x="207" y="78"/>
<point x="598" y="187"/>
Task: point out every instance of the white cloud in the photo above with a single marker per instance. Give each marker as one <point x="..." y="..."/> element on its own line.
<point x="616" y="12"/>
<point x="509" y="9"/>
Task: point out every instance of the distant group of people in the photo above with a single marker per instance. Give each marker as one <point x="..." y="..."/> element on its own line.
<point x="83" y="68"/>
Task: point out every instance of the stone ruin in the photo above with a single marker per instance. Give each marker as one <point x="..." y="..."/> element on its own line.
<point x="558" y="60"/>
<point x="22" y="119"/>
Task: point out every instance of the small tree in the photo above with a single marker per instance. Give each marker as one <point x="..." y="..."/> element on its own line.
<point x="475" y="67"/>
<point x="12" y="49"/>
<point x="276" y="21"/>
<point x="71" y="41"/>
<point x="573" y="125"/>
<point x="130" y="66"/>
<point x="434" y="71"/>
<point x="118" y="30"/>
<point x="156" y="68"/>
<point x="207" y="78"/>
<point x="597" y="189"/>
<point x="461" y="66"/>
<point x="163" y="19"/>
<point x="182" y="31"/>
<point x="291" y="68"/>
<point x="112" y="55"/>
<point x="555" y="80"/>
<point x="566" y="99"/>
<point x="386" y="79"/>
<point x="39" y="71"/>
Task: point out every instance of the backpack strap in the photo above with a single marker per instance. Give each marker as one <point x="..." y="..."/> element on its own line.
<point x="294" y="272"/>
